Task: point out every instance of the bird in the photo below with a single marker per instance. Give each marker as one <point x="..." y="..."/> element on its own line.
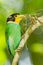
<point x="13" y="32"/>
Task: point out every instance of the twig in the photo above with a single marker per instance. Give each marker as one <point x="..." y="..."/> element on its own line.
<point x="23" y="41"/>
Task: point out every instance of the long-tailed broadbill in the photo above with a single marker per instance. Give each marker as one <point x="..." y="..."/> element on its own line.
<point x="13" y="32"/>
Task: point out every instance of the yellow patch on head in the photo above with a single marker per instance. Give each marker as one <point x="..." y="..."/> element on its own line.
<point x="18" y="19"/>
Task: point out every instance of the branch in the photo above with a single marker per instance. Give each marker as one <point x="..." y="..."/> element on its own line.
<point x="24" y="39"/>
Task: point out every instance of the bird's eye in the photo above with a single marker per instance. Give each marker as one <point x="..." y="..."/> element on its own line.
<point x="15" y="15"/>
<point x="12" y="17"/>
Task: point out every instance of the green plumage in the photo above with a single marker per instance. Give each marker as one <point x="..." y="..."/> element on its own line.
<point x="13" y="36"/>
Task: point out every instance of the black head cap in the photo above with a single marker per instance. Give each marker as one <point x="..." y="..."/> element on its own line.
<point x="12" y="17"/>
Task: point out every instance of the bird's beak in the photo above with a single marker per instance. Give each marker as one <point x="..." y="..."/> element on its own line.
<point x="19" y="18"/>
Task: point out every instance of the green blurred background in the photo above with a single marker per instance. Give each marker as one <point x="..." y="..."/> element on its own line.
<point x="35" y="43"/>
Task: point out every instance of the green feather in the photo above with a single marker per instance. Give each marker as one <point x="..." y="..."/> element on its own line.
<point x="13" y="36"/>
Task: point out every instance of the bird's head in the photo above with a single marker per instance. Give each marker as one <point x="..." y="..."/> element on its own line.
<point x="15" y="18"/>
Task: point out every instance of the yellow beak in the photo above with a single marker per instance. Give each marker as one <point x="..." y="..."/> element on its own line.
<point x="19" y="18"/>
